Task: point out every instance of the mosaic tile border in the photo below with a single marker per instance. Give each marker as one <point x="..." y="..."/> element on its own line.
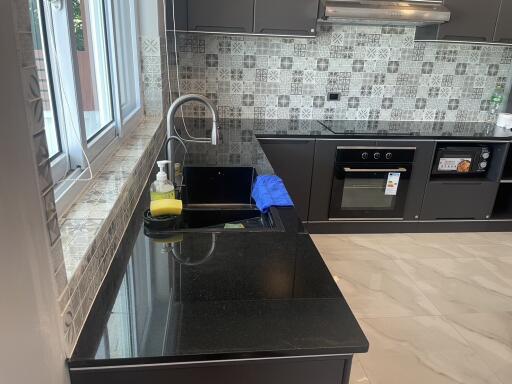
<point x="89" y="242"/>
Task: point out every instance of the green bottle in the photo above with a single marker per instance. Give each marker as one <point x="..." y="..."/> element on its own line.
<point x="496" y="100"/>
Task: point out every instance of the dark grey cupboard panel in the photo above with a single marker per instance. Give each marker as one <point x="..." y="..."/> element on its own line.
<point x="504" y="26"/>
<point x="180" y="11"/>
<point x="471" y="20"/>
<point x="221" y="15"/>
<point x="292" y="160"/>
<point x="269" y="371"/>
<point x="287" y="17"/>
<point x="459" y="200"/>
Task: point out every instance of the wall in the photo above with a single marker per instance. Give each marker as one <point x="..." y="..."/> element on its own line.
<point x="380" y="72"/>
<point x="31" y="350"/>
<point x="153" y="56"/>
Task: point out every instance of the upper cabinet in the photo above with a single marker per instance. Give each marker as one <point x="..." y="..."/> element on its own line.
<point x="473" y="21"/>
<point x="234" y="16"/>
<point x="272" y="17"/>
<point x="504" y="26"/>
<point x="286" y="17"/>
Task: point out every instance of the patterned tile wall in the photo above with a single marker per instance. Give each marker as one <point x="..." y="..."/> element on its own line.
<point x="34" y="113"/>
<point x="154" y="76"/>
<point x="380" y="73"/>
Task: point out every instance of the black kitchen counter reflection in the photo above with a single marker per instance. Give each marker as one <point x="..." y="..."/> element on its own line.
<point x="201" y="296"/>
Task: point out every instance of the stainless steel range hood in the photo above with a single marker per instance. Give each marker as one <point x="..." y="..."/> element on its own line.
<point x="385" y="12"/>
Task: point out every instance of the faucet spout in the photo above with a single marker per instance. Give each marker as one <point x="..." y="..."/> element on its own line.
<point x="185" y="99"/>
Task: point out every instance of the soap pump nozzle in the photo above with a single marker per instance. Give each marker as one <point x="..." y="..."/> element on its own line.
<point x="162" y="174"/>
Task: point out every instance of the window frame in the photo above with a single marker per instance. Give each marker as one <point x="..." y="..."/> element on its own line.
<point x="67" y="167"/>
<point x="59" y="161"/>
<point x="136" y="113"/>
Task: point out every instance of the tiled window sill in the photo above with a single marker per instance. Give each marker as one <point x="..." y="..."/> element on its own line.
<point x="92" y="228"/>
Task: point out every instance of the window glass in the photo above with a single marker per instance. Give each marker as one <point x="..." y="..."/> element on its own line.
<point x="45" y="80"/>
<point x="93" y="64"/>
<point x="127" y="55"/>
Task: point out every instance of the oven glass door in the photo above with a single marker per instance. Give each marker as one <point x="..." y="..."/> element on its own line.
<point x="378" y="192"/>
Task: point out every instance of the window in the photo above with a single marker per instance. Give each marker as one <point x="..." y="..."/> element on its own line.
<point x="45" y="83"/>
<point x="87" y="61"/>
<point x="127" y="55"/>
<point x="93" y="65"/>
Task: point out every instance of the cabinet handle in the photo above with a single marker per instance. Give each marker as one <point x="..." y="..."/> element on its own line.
<point x="269" y="31"/>
<point x="271" y="140"/>
<point x="462" y="183"/>
<point x="380" y="170"/>
<point x="464" y="38"/>
<point x="207" y="28"/>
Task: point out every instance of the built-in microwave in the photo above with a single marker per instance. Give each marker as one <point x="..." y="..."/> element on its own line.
<point x="468" y="160"/>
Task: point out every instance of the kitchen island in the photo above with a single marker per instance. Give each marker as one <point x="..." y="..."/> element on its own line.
<point x="223" y="306"/>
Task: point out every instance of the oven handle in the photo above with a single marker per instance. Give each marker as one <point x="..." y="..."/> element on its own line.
<point x="348" y="170"/>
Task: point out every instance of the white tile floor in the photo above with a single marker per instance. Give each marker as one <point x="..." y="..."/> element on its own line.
<point x="436" y="308"/>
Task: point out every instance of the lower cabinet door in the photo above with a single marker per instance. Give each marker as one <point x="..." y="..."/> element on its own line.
<point x="292" y="161"/>
<point x="451" y="200"/>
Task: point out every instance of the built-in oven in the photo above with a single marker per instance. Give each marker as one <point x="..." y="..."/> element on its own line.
<point x="370" y="183"/>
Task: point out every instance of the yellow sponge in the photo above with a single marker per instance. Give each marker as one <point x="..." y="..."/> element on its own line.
<point x="166" y="207"/>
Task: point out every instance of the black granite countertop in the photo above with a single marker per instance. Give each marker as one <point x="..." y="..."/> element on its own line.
<point x="266" y="294"/>
<point x="415" y="129"/>
<point x="246" y="129"/>
<point x="239" y="137"/>
<point x="257" y="294"/>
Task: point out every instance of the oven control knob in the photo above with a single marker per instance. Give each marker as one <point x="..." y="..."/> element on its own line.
<point x="376" y="155"/>
<point x="483" y="165"/>
<point x="389" y="155"/>
<point x="486" y="155"/>
<point x="364" y="155"/>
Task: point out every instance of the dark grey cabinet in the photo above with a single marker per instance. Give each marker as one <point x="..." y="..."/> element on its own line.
<point x="459" y="200"/>
<point x="221" y="15"/>
<point x="272" y="17"/>
<point x="286" y="17"/>
<point x="471" y="20"/>
<point x="504" y="25"/>
<point x="292" y="161"/>
<point x="180" y="15"/>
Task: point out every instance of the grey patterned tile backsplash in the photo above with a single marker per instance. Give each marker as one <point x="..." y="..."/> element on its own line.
<point x="380" y="73"/>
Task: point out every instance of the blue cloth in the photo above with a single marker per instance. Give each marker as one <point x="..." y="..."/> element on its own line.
<point x="269" y="191"/>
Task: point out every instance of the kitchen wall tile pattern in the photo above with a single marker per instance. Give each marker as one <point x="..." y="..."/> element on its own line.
<point x="154" y="76"/>
<point x="379" y="73"/>
<point x="237" y="146"/>
<point x="34" y="115"/>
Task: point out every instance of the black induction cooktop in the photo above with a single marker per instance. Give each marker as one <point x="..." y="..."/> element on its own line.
<point x="409" y="128"/>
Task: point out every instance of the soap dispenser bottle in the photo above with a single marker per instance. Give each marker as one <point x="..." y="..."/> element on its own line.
<point x="162" y="187"/>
